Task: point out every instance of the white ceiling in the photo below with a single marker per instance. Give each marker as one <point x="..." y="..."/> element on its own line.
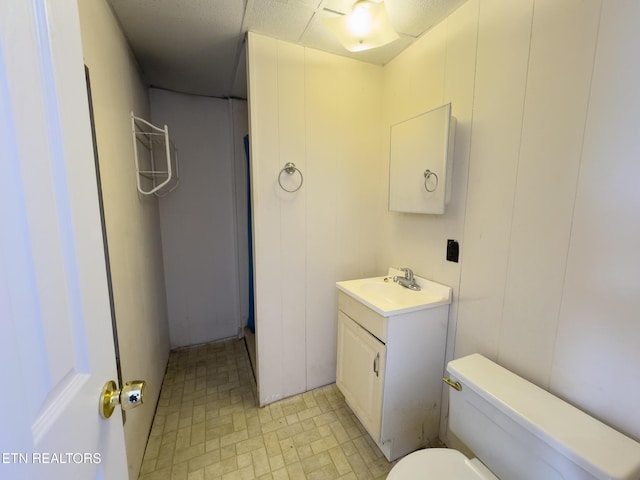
<point x="197" y="46"/>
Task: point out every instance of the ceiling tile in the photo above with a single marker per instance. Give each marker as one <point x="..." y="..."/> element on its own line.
<point x="286" y="21"/>
<point x="414" y="17"/>
<point x="196" y="46"/>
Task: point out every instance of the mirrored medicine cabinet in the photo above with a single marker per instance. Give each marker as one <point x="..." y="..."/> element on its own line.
<point x="420" y="162"/>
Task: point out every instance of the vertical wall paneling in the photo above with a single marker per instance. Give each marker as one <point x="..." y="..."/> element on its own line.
<point x="291" y="142"/>
<point x="445" y="59"/>
<point x="414" y="83"/>
<point x="320" y="111"/>
<point x="343" y="117"/>
<point x="324" y="166"/>
<point x="459" y="79"/>
<point x="563" y="42"/>
<point x="501" y="69"/>
<point x="544" y="200"/>
<point x="240" y="127"/>
<point x="265" y="160"/>
<point x="596" y="354"/>
<point x="459" y="75"/>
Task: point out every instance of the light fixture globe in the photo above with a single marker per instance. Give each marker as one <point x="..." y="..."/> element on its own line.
<point x="366" y="27"/>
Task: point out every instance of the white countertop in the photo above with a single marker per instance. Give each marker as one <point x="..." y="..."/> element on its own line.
<point x="388" y="298"/>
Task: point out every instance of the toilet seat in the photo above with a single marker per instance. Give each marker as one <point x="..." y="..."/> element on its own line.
<point x="439" y="464"/>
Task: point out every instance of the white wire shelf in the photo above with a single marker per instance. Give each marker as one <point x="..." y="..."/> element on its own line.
<point x="156" y="158"/>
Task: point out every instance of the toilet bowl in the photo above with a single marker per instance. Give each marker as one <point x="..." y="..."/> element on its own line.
<point x="439" y="463"/>
<point x="518" y="431"/>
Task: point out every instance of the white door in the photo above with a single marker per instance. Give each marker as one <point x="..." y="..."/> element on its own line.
<point x="56" y="341"/>
<point x="360" y="372"/>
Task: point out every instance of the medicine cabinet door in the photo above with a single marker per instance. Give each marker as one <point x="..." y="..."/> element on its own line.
<point x="420" y="162"/>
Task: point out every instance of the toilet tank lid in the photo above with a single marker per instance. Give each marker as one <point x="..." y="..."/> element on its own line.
<point x="596" y="447"/>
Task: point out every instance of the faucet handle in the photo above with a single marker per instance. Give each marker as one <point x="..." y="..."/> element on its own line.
<point x="408" y="273"/>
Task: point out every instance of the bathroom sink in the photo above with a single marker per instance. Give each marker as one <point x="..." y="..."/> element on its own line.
<point x="394" y="293"/>
<point x="388" y="298"/>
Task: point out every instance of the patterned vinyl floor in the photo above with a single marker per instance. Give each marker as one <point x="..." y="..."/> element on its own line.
<point x="208" y="426"/>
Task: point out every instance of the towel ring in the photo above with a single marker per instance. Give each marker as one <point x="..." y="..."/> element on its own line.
<point x="427" y="175"/>
<point x="290" y="168"/>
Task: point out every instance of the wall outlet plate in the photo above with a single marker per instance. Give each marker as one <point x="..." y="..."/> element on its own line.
<point x="453" y="250"/>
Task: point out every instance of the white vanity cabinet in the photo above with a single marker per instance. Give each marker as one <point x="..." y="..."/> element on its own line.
<point x="390" y="369"/>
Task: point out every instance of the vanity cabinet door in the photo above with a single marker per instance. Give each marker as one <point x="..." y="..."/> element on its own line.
<point x="360" y="372"/>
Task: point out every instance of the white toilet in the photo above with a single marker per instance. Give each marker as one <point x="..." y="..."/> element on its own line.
<point x="519" y="431"/>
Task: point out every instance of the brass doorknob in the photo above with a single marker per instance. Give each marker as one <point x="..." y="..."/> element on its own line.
<point x="129" y="397"/>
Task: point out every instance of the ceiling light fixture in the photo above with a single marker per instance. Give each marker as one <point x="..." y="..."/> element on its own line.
<point x="367" y="26"/>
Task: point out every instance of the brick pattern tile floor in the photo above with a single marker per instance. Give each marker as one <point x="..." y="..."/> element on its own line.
<point x="208" y="427"/>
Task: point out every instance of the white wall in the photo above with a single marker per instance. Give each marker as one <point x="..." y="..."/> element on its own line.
<point x="132" y="222"/>
<point x="545" y="97"/>
<point x="438" y="69"/>
<point x="596" y="354"/>
<point x="240" y="121"/>
<point x="543" y="200"/>
<point x="322" y="112"/>
<point x="200" y="237"/>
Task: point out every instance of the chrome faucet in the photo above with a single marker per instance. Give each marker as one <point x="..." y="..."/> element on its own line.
<point x="407" y="281"/>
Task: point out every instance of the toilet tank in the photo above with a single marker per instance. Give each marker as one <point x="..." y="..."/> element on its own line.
<point x="523" y="432"/>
